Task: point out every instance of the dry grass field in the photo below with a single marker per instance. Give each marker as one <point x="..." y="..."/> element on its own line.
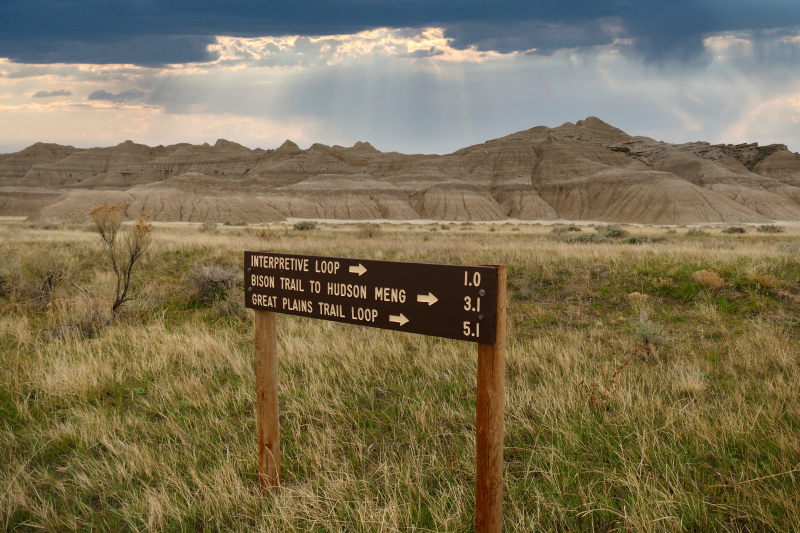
<point x="653" y="384"/>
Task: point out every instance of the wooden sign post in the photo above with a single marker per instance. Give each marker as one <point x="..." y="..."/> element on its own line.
<point x="451" y="301"/>
<point x="490" y="422"/>
<point x="267" y="421"/>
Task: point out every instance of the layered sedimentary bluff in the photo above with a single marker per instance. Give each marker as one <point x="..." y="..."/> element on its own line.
<point x="584" y="171"/>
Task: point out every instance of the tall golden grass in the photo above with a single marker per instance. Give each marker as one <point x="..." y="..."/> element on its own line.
<point x="147" y="422"/>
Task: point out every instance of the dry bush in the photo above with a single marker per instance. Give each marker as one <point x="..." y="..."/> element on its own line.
<point x="636" y="298"/>
<point x="770" y="228"/>
<point x="124" y="253"/>
<point x="368" y="231"/>
<point x="697" y="232"/>
<point x="305" y="225"/>
<point x="46" y="270"/>
<point x="708" y="279"/>
<point x="588" y="238"/>
<point x="647" y="332"/>
<point x="769" y="281"/>
<point x="644" y="239"/>
<point x="210" y="281"/>
<point x="734" y="229"/>
<point x="33" y="280"/>
<point x="565" y="229"/>
<point x="612" y="232"/>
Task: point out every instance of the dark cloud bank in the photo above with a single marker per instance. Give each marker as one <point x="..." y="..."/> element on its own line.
<point x="133" y="94"/>
<point x="179" y="31"/>
<point x="51" y="94"/>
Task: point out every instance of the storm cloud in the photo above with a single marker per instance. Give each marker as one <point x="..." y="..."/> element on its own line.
<point x="51" y="94"/>
<point x="430" y="77"/>
<point x="180" y="31"/>
<point x="132" y="94"/>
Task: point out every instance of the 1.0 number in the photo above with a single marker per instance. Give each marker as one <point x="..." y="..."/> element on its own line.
<point x="476" y="279"/>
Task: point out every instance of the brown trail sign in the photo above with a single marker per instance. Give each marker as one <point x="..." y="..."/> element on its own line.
<point x="456" y="302"/>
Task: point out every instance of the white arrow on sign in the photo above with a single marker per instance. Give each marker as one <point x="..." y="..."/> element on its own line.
<point x="360" y="269"/>
<point x="429" y="298"/>
<point x="399" y="319"/>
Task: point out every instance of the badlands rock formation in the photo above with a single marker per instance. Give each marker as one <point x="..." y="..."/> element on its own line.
<point x="584" y="171"/>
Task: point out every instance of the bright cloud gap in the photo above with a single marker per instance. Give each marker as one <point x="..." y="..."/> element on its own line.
<point x="409" y="90"/>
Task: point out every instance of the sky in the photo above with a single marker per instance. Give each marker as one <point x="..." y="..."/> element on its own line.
<point x="409" y="76"/>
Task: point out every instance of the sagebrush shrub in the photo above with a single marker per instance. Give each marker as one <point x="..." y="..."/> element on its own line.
<point x="612" y="232"/>
<point x="33" y="280"/>
<point x="209" y="281"/>
<point x="734" y="229"/>
<point x="647" y="332"/>
<point x="770" y="228"/>
<point x="369" y="231"/>
<point x="565" y="229"/>
<point x="305" y="225"/>
<point x="589" y="238"/>
<point x="644" y="239"/>
<point x="46" y="269"/>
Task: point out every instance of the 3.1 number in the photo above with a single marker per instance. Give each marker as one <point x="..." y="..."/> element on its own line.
<point x="476" y="279"/>
<point x="468" y="330"/>
<point x="468" y="304"/>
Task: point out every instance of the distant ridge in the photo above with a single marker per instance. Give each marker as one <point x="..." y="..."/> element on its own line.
<point x="589" y="170"/>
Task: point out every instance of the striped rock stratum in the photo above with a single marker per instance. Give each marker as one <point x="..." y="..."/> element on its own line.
<point x="589" y="171"/>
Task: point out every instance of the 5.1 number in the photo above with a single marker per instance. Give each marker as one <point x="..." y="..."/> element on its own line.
<point x="468" y="330"/>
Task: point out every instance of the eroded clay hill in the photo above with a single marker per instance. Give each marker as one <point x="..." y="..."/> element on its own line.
<point x="584" y="171"/>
